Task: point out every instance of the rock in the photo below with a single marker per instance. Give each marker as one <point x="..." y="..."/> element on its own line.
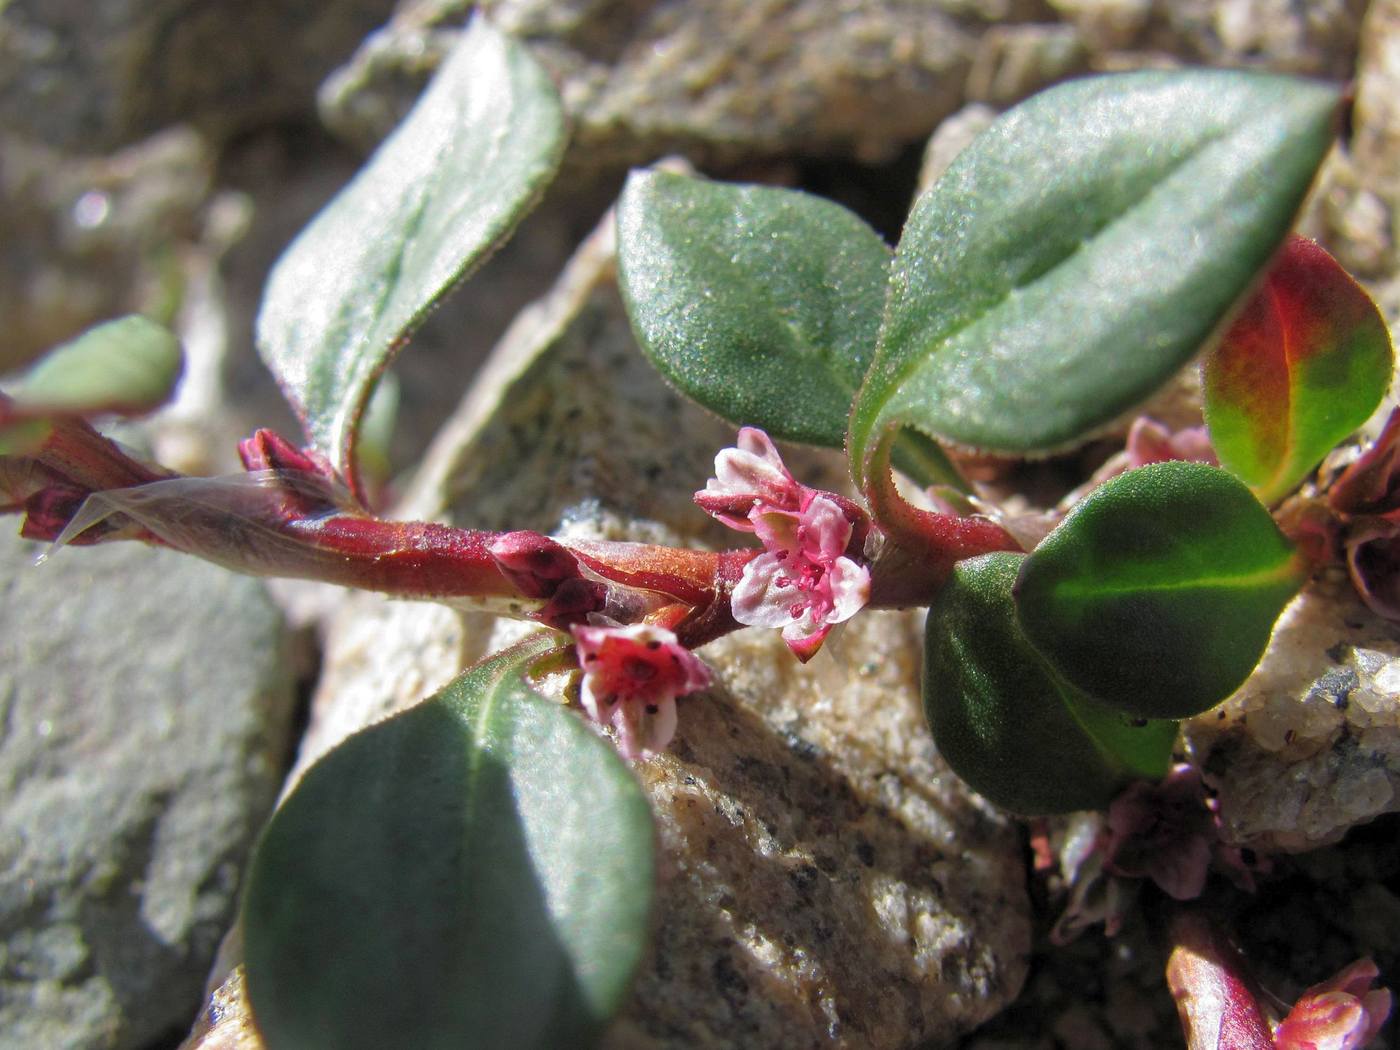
<point x="1314" y="39"/>
<point x="720" y="81"/>
<point x="826" y="880"/>
<point x="145" y="699"/>
<point x="725" y="82"/>
<point x="1356" y="211"/>
<point x="1012" y="62"/>
<point x="1309" y="747"/>
<point x="78" y="75"/>
<point x="83" y="238"/>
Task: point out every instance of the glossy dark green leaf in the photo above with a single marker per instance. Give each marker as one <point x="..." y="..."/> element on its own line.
<point x="1006" y="723"/>
<point x="1082" y="249"/>
<point x="1158" y="592"/>
<point x="441" y="192"/>
<point x="128" y="366"/>
<point x="474" y="872"/>
<point x="1305" y="363"/>
<point x="760" y="303"/>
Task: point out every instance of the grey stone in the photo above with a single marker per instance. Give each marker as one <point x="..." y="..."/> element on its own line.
<point x="145" y="703"/>
<point x="77" y="74"/>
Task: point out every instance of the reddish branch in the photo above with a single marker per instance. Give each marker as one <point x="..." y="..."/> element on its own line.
<point x="291" y="516"/>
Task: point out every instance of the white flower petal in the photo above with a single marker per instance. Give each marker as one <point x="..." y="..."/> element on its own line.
<point x="757" y="600"/>
<point x="654" y="731"/>
<point x="850" y="589"/>
<point x="827" y="531"/>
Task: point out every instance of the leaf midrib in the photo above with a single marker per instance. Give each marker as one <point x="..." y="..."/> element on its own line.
<point x="1098" y="588"/>
<point x="918" y="360"/>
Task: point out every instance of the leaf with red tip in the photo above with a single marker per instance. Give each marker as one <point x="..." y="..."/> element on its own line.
<point x="1303" y="365"/>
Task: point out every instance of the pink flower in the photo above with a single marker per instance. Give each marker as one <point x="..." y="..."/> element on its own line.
<point x="747" y="477"/>
<point x="631" y="678"/>
<point x="803" y="582"/>
<point x="1344" y="1013"/>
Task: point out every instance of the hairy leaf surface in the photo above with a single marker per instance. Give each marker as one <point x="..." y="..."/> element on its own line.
<point x="1082" y="249"/>
<point x="474" y="872"/>
<point x="438" y="195"/>
<point x="760" y="303"/>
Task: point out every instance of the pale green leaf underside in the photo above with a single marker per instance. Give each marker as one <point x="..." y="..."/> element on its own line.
<point x="1082" y="249"/>
<point x="441" y="192"/>
<point x="129" y="365"/>
<point x="760" y="303"/>
<point x="474" y="872"/>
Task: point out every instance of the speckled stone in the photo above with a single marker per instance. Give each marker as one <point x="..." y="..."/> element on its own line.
<point x="1309" y="747"/>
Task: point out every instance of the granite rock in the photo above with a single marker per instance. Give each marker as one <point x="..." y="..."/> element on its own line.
<point x="146" y="703"/>
<point x="1313" y="39"/>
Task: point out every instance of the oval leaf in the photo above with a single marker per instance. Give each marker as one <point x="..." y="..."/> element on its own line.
<point x="1158" y="592"/>
<point x="474" y="872"/>
<point x="129" y="366"/>
<point x="438" y="195"/>
<point x="1005" y="722"/>
<point x="760" y="303"/>
<point x="1305" y="364"/>
<point x="1082" y="249"/>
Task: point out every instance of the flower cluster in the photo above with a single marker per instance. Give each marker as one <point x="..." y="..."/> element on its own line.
<point x="631" y="678"/>
<point x="805" y="581"/>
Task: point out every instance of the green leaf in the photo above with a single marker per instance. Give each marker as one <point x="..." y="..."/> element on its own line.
<point x="760" y="303"/>
<point x="1082" y="249"/>
<point x="440" y="193"/>
<point x="1304" y="364"/>
<point x="1158" y="592"/>
<point x="129" y="366"/>
<point x="1006" y="723"/>
<point x="474" y="872"/>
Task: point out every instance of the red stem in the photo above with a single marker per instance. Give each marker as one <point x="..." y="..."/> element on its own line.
<point x="1214" y="995"/>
